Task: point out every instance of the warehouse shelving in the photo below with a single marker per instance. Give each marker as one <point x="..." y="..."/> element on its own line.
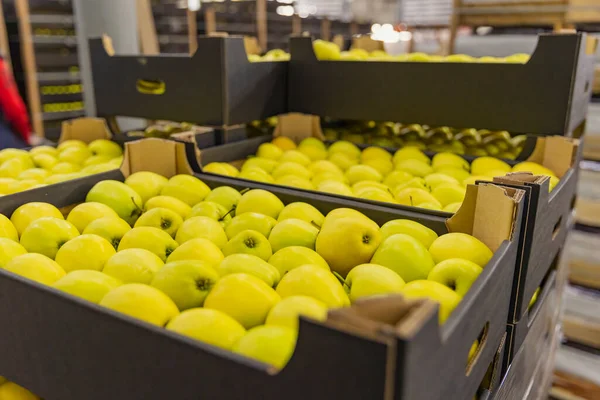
<point x="43" y="47"/>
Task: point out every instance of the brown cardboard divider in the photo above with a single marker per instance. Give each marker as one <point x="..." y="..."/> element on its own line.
<point x="164" y="157"/>
<point x="85" y="129"/>
<point x="557" y="153"/>
<point x="298" y="126"/>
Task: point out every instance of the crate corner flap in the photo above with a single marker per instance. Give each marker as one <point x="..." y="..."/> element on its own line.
<point x="86" y="129"/>
<point x="164" y="157"/>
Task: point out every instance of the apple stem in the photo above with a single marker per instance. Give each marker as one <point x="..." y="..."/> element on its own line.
<point x="341" y="279"/>
<point x="313" y="223"/>
<point x="228" y="213"/>
<point x="411" y="200"/>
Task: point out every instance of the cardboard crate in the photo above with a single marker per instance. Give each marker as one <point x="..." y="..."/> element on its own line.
<point x="547" y="95"/>
<point x="62" y="347"/>
<point x="217" y="86"/>
<point x="548" y="215"/>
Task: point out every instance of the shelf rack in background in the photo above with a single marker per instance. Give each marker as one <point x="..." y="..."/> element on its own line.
<point x="43" y="47"/>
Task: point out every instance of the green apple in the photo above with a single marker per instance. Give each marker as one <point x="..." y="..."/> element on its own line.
<point x="335" y="187"/>
<point x="383" y="166"/>
<point x="74" y="155"/>
<point x="110" y="228"/>
<point x="226" y="196"/>
<point x="414" y="197"/>
<point x="152" y="239"/>
<point x="43" y="150"/>
<point x="36" y="267"/>
<point x="481" y="165"/>
<point x="341" y="212"/>
<point x="269" y="151"/>
<point x="186" y="188"/>
<point x="442" y="160"/>
<point x="104" y="147"/>
<point x="133" y="266"/>
<point x="7" y="229"/>
<point x="358" y="173"/>
<point x="404" y="255"/>
<point x="414" y="167"/>
<point x="199" y="249"/>
<point x="287" y="311"/>
<point x="249" y="264"/>
<point x="295" y="182"/>
<point x="342" y="160"/>
<point x="314" y="152"/>
<point x="202" y="227"/>
<point x="141" y="302"/>
<point x="16" y="154"/>
<point x="256" y="174"/>
<point x="187" y="283"/>
<point x="11" y="168"/>
<point x="295" y="156"/>
<point x="250" y="220"/>
<point x="96" y="160"/>
<point x="217" y="168"/>
<point x="85" y="252"/>
<point x="292" y="257"/>
<point x="38" y="174"/>
<point x="449" y="193"/>
<point x="209" y="326"/>
<point x="347" y="241"/>
<point x="45" y="161"/>
<point x="259" y="201"/>
<point x="62" y="146"/>
<point x="420" y="232"/>
<point x="249" y="242"/>
<point x="457" y="173"/>
<point x="83" y="214"/>
<point x="323" y="166"/>
<point x="12" y="391"/>
<point x="445" y="297"/>
<point x="302" y="211"/>
<point x="374" y="153"/>
<point x="410" y="153"/>
<point x="359" y="187"/>
<point x="456" y="273"/>
<point x="161" y="218"/>
<point x="171" y="203"/>
<point x="345" y="147"/>
<point x="290" y="168"/>
<point x="293" y="232"/>
<point x="434" y="180"/>
<point x="460" y="245"/>
<point x="27" y="213"/>
<point x="47" y="235"/>
<point x="367" y="280"/>
<point x="316" y="282"/>
<point x="9" y="249"/>
<point x="375" y="194"/>
<point x="212" y="210"/>
<point x="328" y="176"/>
<point x="416" y="183"/>
<point x="121" y="198"/>
<point x="243" y="297"/>
<point x="146" y="184"/>
<point x="89" y="285"/>
<point x="64" y="167"/>
<point x="273" y="345"/>
<point x="261" y="163"/>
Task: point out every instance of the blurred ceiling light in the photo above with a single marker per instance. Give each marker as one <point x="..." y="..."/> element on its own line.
<point x="405" y="36"/>
<point x="193" y="5"/>
<point x="286" y="1"/>
<point x="287" y="11"/>
<point x="375" y="28"/>
<point x="387" y="34"/>
<point x="483" y="30"/>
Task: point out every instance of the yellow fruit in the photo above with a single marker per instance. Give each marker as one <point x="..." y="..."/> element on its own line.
<point x="447" y="298"/>
<point x="395" y="178"/>
<point x="460" y="245"/>
<point x="284" y="143"/>
<point x="84" y="252"/>
<point x="87" y="284"/>
<point x="418" y="231"/>
<point x="7" y="229"/>
<point x="443" y="160"/>
<point x="410" y="153"/>
<point x="481" y="165"/>
<point x="36" y="267"/>
<point x="316" y="282"/>
<point x="434" y="180"/>
<point x="84" y="213"/>
<point x="457" y="173"/>
<point x="448" y="193"/>
<point x="27" y="213"/>
<point x="273" y="345"/>
<point x="12" y="391"/>
<point x="414" y="197"/>
<point x="288" y="310"/>
<point x="9" y="249"/>
<point x="375" y="153"/>
<point x="534" y="168"/>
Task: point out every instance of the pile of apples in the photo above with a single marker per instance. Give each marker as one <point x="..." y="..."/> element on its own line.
<point x="232" y="269"/>
<point x="271" y="55"/>
<point x="408" y="177"/>
<point x="21" y="170"/>
<point x="325" y="50"/>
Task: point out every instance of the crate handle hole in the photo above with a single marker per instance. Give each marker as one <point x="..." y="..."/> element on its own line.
<point x="151" y="86"/>
<point x="587" y="86"/>
<point x="573" y="202"/>
<point x="556" y="229"/>
<point x="476" y="348"/>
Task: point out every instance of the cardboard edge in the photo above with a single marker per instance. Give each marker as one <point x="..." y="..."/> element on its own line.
<point x="488" y="213"/>
<point x="164" y="157"/>
<point x="86" y="129"/>
<point x="557" y="153"/>
<point x="108" y="45"/>
<point x="298" y="126"/>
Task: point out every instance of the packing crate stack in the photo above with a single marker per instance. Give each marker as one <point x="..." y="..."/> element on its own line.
<point x="497" y="343"/>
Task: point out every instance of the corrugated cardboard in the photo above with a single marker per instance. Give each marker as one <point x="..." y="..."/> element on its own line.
<point x="488" y="213"/>
<point x="366" y="43"/>
<point x="85" y="129"/>
<point x="251" y="45"/>
<point x="164" y="157"/>
<point x="299" y="126"/>
<point x="556" y="153"/>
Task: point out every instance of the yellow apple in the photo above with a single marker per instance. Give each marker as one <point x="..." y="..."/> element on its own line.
<point x="284" y="143"/>
<point x="62" y="146"/>
<point x="395" y="178"/>
<point x="249" y="242"/>
<point x="345" y="147"/>
<point x="11" y="168"/>
<point x="358" y="173"/>
<point x="457" y="173"/>
<point x="445" y="297"/>
<point x="47" y="235"/>
<point x="27" y="213"/>
<point x="287" y="311"/>
<point x="460" y="245"/>
<point x="186" y="188"/>
<point x="83" y="214"/>
<point x="414" y="167"/>
<point x="142" y="302"/>
<point x="481" y="165"/>
<point x="152" y="239"/>
<point x="271" y="344"/>
<point x="313" y="281"/>
<point x="201" y="227"/>
<point x="89" y="285"/>
<point x="74" y="155"/>
<point x="259" y="201"/>
<point x="418" y="231"/>
<point x="104" y="147"/>
<point x="292" y="257"/>
<point x="263" y="164"/>
<point x="322" y="166"/>
<point x="410" y="153"/>
<point x="414" y="197"/>
<point x="269" y="151"/>
<point x="45" y="161"/>
<point x="64" y="167"/>
<point x="250" y="221"/>
<point x="251" y="265"/>
<point x="9" y="249"/>
<point x="133" y="266"/>
<point x="121" y="198"/>
<point x="12" y="391"/>
<point x="226" y="196"/>
<point x="293" y="232"/>
<point x="209" y="326"/>
<point x="110" y="228"/>
<point x="368" y="280"/>
<point x="146" y="184"/>
<point x="36" y="267"/>
<point x="373" y="152"/>
<point x="162" y="218"/>
<point x="448" y="193"/>
<point x="171" y="203"/>
<point x="199" y="249"/>
<point x="84" y="252"/>
<point x="335" y="187"/>
<point x="38" y="174"/>
<point x="404" y="255"/>
<point x="442" y="160"/>
<point x="7" y="229"/>
<point x="456" y="273"/>
<point x="43" y="150"/>
<point x="295" y="156"/>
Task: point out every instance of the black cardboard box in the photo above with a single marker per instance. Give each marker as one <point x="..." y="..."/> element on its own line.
<point x="547" y="95"/>
<point x="217" y="86"/>
<point x="64" y="348"/>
